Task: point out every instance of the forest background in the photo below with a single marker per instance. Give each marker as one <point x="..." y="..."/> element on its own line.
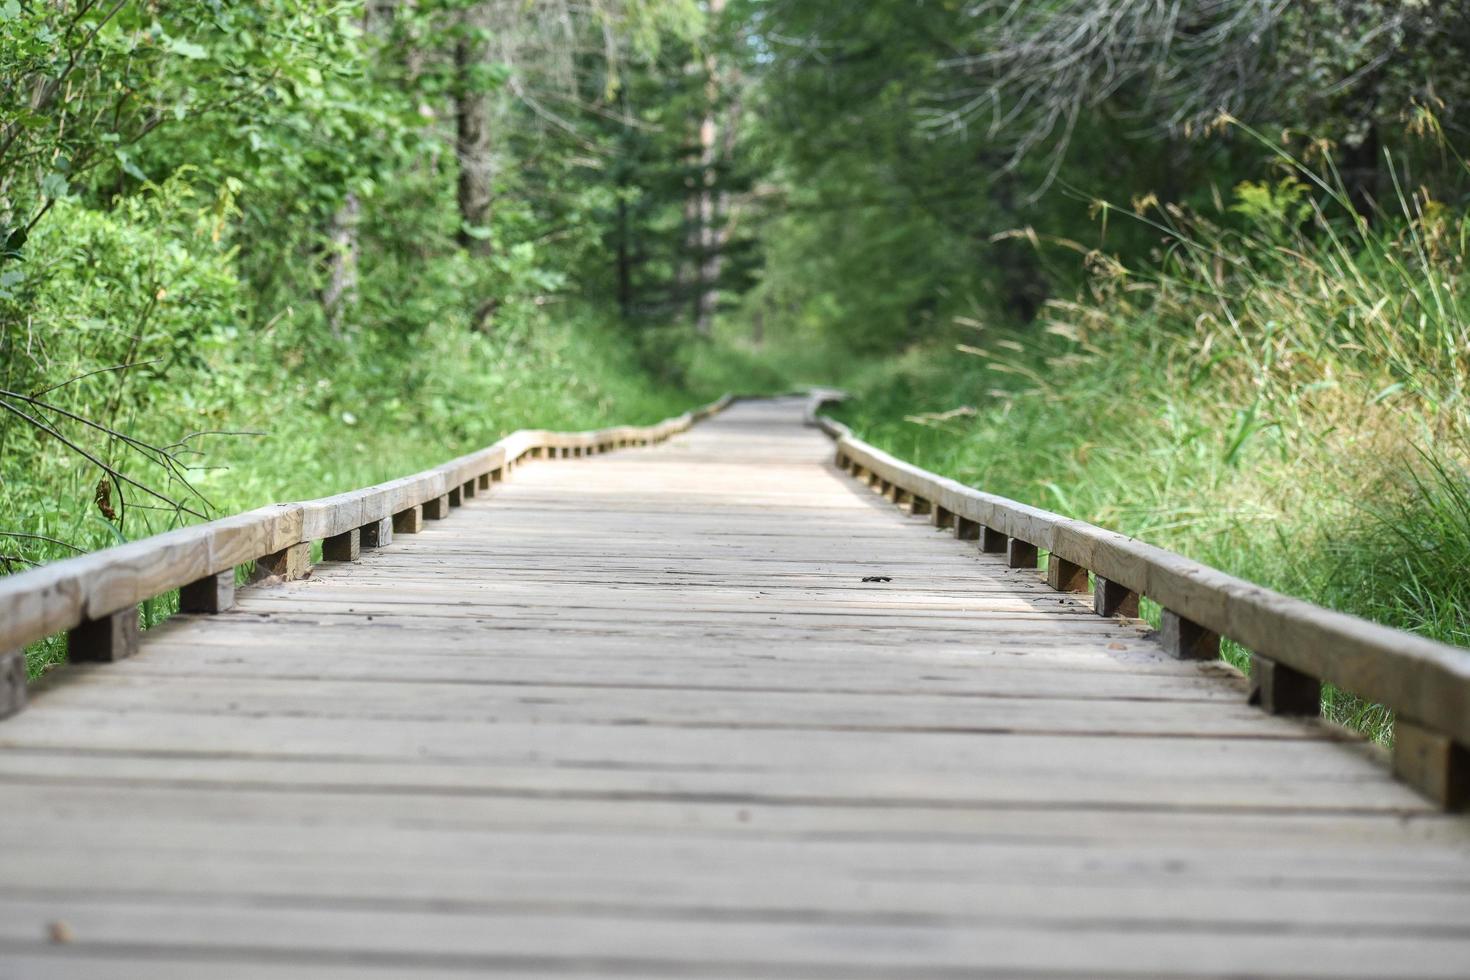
<point x="1191" y="269"/>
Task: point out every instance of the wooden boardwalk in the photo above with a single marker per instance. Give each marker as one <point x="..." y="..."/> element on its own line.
<point x="639" y="715"/>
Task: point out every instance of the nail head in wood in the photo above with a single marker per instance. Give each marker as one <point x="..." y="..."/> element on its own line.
<point x="1187" y="640"/>
<point x="342" y="547"/>
<point x="1112" y="599"/>
<point x="12" y="682"/>
<point x="410" y="521"/>
<point x="436" y="509"/>
<point x="378" y="534"/>
<point x="992" y="542"/>
<point x="1432" y="763"/>
<point x="1064" y="575"/>
<point x="1020" y="554"/>
<point x="104" y="640"/>
<point x="1279" y="690"/>
<point x="210" y="594"/>
<point x="290" y="563"/>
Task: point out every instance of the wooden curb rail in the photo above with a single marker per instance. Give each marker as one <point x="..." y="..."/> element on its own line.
<point x="94" y="597"/>
<point x="1294" y="645"/>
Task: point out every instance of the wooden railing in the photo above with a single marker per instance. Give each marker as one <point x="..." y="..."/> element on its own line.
<point x="95" y="597"/>
<point x="1294" y="645"/>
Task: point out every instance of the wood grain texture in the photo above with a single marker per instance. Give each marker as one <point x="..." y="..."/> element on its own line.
<point x="640" y="714"/>
<point x="65" y="594"/>
<point x="1424" y="679"/>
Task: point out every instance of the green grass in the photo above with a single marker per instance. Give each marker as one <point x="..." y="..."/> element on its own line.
<point x="1281" y="396"/>
<point x="395" y="412"/>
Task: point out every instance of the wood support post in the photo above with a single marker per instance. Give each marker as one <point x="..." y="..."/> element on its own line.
<point x="290" y="563"/>
<point x="500" y="474"/>
<point x="857" y="472"/>
<point x="992" y="542"/>
<point x="920" y="506"/>
<point x="12" y="682"/>
<point x="842" y="461"/>
<point x="210" y="594"/>
<point x="467" y="491"/>
<point x="1020" y="554"/>
<point x="453" y="496"/>
<point x="1279" y="690"/>
<point x="436" y="509"/>
<point x="1187" y="640"/>
<point x="966" y="529"/>
<point x="483" y="482"/>
<point x="378" y="534"/>
<point x="409" y="521"/>
<point x="1064" y="575"/>
<point x="1432" y="763"/>
<point x="104" y="640"/>
<point x="342" y="547"/>
<point x="1112" y="599"/>
<point x="942" y="517"/>
<point x="901" y="496"/>
<point x="874" y="480"/>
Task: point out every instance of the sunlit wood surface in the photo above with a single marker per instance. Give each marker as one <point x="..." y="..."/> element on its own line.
<point x="638" y="715"/>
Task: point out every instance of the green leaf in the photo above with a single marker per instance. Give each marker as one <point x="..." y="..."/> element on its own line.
<point x="129" y="167"/>
<point x="186" y="49"/>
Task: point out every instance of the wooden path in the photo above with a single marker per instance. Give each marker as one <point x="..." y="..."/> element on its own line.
<point x="639" y="715"/>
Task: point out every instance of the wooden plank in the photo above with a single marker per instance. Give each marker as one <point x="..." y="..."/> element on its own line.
<point x="211" y="594"/>
<point x="644" y="716"/>
<point x="104" y="640"/>
<point x="13" y="689"/>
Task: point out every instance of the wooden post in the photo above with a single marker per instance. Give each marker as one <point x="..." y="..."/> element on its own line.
<point x="1020" y="554"/>
<point x="436" y="509"/>
<point x="409" y="521"/>
<point x="842" y="461"/>
<point x="378" y="534"/>
<point x="453" y="496"/>
<point x="1112" y="599"/>
<point x="992" y="542"/>
<point x="874" y="480"/>
<point x="943" y="517"/>
<point x="467" y="491"/>
<point x="920" y="506"/>
<point x="884" y="488"/>
<point x="500" y="474"/>
<point x="857" y="472"/>
<point x="483" y="481"/>
<point x="1279" y="690"/>
<point x="1064" y="575"/>
<point x="1186" y="640"/>
<point x="1432" y="763"/>
<point x="104" y="640"/>
<point x="342" y="547"/>
<point x="210" y="594"/>
<point x="966" y="529"/>
<point x="290" y="563"/>
<point x="12" y="682"/>
<point x="901" y="496"/>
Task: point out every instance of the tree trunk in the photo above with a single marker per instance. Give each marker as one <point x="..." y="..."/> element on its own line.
<point x="340" y="292"/>
<point x="472" y="122"/>
<point x="706" y="205"/>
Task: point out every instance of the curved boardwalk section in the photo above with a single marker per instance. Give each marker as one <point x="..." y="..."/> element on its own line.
<point x="640" y="715"/>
